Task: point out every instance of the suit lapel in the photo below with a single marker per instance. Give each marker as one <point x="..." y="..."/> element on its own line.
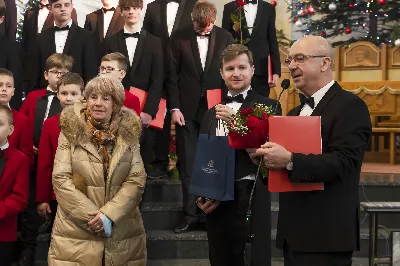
<point x="40" y="111"/>
<point x="100" y="24"/>
<point x="114" y="19"/>
<point x="139" y="49"/>
<point x="195" y="51"/>
<point x="179" y="15"/>
<point x="258" y="17"/>
<point x="210" y="51"/>
<point x="326" y="99"/>
<point x="122" y="45"/>
<point x="71" y="34"/>
<point x="48" y="23"/>
<point x="249" y="101"/>
<point x="163" y="17"/>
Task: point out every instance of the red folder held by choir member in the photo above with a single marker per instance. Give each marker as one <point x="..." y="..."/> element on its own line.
<point x="158" y="122"/>
<point x="214" y="97"/>
<point x="269" y="69"/>
<point x="301" y="134"/>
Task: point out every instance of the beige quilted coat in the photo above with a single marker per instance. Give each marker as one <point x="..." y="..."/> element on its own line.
<point x="78" y="180"/>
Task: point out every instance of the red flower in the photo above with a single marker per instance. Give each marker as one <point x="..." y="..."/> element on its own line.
<point x="240" y="3"/>
<point x="265" y="116"/>
<point x="246" y="111"/>
<point x="252" y="122"/>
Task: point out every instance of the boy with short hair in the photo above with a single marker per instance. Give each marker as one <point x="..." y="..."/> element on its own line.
<point x="14" y="186"/>
<point x="114" y="65"/>
<point x="69" y="90"/>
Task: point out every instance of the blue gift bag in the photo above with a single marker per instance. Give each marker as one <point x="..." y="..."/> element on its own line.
<point x="213" y="169"/>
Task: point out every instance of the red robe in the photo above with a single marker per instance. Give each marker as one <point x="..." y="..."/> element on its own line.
<point x="22" y="137"/>
<point x="14" y="192"/>
<point x="132" y="102"/>
<point x="47" y="151"/>
<point x="26" y="107"/>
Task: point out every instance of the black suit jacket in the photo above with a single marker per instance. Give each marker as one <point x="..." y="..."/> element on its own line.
<point x="95" y="24"/>
<point x="146" y="71"/>
<point x="187" y="82"/>
<point x="30" y="32"/>
<point x="79" y="45"/>
<point x="328" y="220"/>
<point x="263" y="39"/>
<point x="10" y="59"/>
<point x="9" y="26"/>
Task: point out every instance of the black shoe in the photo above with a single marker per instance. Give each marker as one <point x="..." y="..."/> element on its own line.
<point x="27" y="258"/>
<point x="157" y="174"/>
<point x="187" y="226"/>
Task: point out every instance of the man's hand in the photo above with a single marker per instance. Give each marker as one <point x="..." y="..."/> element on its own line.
<point x="43" y="210"/>
<point x="207" y="206"/>
<point x="177" y="117"/>
<point x="253" y="155"/>
<point x="146" y="119"/>
<point x="96" y="224"/>
<point x="274" y="80"/>
<point x="224" y="112"/>
<point x="276" y="156"/>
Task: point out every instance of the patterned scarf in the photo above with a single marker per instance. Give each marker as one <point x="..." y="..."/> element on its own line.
<point x="103" y="135"/>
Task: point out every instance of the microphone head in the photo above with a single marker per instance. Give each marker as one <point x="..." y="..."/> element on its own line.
<point x="285" y="84"/>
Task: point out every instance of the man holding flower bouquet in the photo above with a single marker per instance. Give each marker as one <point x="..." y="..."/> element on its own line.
<point x="226" y="220"/>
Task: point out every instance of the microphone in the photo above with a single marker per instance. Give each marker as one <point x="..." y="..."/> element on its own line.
<point x="285" y="85"/>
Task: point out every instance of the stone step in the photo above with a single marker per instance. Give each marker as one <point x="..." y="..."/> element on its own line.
<point x="166" y="216"/>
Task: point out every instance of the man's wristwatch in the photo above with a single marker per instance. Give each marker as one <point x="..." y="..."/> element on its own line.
<point x="289" y="166"/>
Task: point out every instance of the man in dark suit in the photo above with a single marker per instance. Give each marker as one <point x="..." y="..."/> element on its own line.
<point x="194" y="69"/>
<point x="36" y="20"/>
<point x="258" y="26"/>
<point x="162" y="18"/>
<point x="9" y="26"/>
<point x="145" y="71"/>
<point x="10" y="59"/>
<point x="321" y="227"/>
<point x="226" y="221"/>
<point x="64" y="37"/>
<point x="105" y="21"/>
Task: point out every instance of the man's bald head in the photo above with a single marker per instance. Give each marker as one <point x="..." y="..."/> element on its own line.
<point x="317" y="44"/>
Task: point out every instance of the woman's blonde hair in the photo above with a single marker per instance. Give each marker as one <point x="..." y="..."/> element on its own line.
<point x="107" y="86"/>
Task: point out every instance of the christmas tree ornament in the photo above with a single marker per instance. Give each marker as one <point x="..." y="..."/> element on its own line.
<point x="351" y="5"/>
<point x="347" y="30"/>
<point x="322" y="33"/>
<point x="381" y="2"/>
<point x="298" y="23"/>
<point x="397" y="42"/>
<point x="310" y="10"/>
<point x="274" y="3"/>
<point x="295" y="20"/>
<point x="332" y="6"/>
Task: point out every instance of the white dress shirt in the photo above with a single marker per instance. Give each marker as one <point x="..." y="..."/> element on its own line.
<point x="202" y="43"/>
<point x="172" y="9"/>
<point x="42" y="16"/>
<point x="250" y="14"/>
<point x="131" y="44"/>
<point x="107" y="20"/>
<point x="5" y="146"/>
<point x="222" y="131"/>
<point x="49" y="101"/>
<point x="307" y="110"/>
<point x="61" y="37"/>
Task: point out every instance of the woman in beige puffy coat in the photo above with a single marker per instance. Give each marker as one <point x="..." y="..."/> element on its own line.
<point x="98" y="179"/>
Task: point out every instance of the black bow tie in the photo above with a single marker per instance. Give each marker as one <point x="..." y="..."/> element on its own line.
<point x="133" y="35"/>
<point x="61" y="29"/>
<point x="251" y="1"/>
<point x="50" y="93"/>
<point x="41" y="6"/>
<point x="105" y="10"/>
<point x="204" y="35"/>
<point x="307" y="100"/>
<point x="176" y="1"/>
<point x="238" y="98"/>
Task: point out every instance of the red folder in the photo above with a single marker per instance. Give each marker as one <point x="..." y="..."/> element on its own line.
<point x="158" y="122"/>
<point x="214" y="97"/>
<point x="269" y="69"/>
<point x="301" y="134"/>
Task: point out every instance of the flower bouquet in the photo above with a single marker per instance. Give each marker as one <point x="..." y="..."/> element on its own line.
<point x="249" y="128"/>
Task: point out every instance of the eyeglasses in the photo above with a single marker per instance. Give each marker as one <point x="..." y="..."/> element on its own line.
<point x="301" y="58"/>
<point x="57" y="73"/>
<point x="108" y="69"/>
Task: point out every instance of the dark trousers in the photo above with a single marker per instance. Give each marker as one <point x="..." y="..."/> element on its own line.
<point x="146" y="146"/>
<point x="260" y="85"/>
<point x="226" y="228"/>
<point x="6" y="253"/>
<point x="161" y="146"/>
<point x="295" y="258"/>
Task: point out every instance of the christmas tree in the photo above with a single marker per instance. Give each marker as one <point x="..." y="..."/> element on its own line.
<point x="356" y="20"/>
<point x="22" y="7"/>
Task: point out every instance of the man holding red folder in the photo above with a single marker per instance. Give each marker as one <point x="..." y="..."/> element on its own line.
<point x="321" y="227"/>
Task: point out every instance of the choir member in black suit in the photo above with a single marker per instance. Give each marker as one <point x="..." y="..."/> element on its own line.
<point x="9" y="26"/>
<point x="64" y="37"/>
<point x="162" y="18"/>
<point x="321" y="227"/>
<point x="105" y="21"/>
<point x="194" y="68"/>
<point x="259" y="16"/>
<point x="226" y="221"/>
<point x="36" y="20"/>
<point x="145" y="70"/>
<point x="10" y="59"/>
